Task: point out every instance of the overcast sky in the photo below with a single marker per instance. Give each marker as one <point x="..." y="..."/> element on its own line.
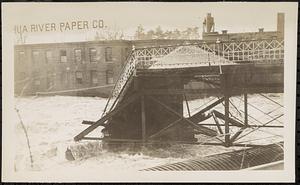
<point x="235" y="17"/>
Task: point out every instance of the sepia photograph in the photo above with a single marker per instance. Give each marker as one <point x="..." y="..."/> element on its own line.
<point x="149" y="92"/>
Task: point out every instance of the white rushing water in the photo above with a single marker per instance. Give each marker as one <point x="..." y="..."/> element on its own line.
<point x="52" y="122"/>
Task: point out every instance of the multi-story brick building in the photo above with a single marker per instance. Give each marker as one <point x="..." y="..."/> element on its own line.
<point x="58" y="67"/>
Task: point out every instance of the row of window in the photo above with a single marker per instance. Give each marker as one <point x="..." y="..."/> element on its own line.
<point x="94" y="77"/>
<point x="79" y="78"/>
<point x="78" y="55"/>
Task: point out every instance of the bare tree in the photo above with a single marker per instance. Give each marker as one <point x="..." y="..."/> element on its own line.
<point x="158" y="33"/>
<point x="110" y="33"/>
<point x="139" y="33"/>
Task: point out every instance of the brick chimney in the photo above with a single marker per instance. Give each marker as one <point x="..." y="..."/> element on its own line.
<point x="280" y="24"/>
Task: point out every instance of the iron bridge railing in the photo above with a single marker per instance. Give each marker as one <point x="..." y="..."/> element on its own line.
<point x="258" y="51"/>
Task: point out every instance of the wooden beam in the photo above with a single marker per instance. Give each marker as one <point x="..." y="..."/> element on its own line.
<point x="187" y="104"/>
<point x="179" y="91"/>
<point x="106" y="117"/>
<point x="264" y="126"/>
<point x="258" y="88"/>
<point x="199" y="118"/>
<point x="245" y="109"/>
<point x="85" y="122"/>
<point x="143" y="116"/>
<point x="217" y="123"/>
<point x="204" y="130"/>
<point x="209" y="107"/>
<point x="232" y="121"/>
<point x="165" y="128"/>
<point x="226" y="118"/>
<point x="226" y="88"/>
<point x="200" y="113"/>
<point x="232" y="139"/>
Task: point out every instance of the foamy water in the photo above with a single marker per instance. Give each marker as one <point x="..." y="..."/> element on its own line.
<point x="52" y="122"/>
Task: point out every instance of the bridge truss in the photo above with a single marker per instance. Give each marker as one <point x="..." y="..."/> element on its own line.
<point x="237" y="55"/>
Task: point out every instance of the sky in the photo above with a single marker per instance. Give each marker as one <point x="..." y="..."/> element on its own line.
<point x="234" y="17"/>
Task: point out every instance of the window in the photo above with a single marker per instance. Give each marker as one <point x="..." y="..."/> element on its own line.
<point x="109" y="77"/>
<point x="93" y="55"/>
<point x="64" y="78"/>
<point x="50" y="80"/>
<point x="21" y="56"/>
<point x="48" y="56"/>
<point x="79" y="77"/>
<point x="36" y="77"/>
<point x="94" y="77"/>
<point x="108" y="54"/>
<point x="63" y="56"/>
<point x="78" y="55"/>
<point x="35" y="57"/>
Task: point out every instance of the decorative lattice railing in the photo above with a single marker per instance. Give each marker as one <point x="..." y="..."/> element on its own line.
<point x="258" y="51"/>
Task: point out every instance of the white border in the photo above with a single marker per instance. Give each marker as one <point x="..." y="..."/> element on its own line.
<point x="286" y="175"/>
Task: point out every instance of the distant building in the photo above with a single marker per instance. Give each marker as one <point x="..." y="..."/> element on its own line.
<point x="210" y="35"/>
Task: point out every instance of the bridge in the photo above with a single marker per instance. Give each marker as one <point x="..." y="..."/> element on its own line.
<point x="146" y="103"/>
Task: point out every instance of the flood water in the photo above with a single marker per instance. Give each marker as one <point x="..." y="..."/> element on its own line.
<point x="52" y="122"/>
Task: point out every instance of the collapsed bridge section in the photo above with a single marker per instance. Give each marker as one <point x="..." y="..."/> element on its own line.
<point x="147" y="102"/>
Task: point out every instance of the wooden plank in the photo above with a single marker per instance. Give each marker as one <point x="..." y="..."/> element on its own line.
<point x="104" y="118"/>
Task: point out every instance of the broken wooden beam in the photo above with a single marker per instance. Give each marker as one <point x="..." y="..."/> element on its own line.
<point x="232" y="121"/>
<point x="217" y="123"/>
<point x="85" y="122"/>
<point x="105" y="118"/>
